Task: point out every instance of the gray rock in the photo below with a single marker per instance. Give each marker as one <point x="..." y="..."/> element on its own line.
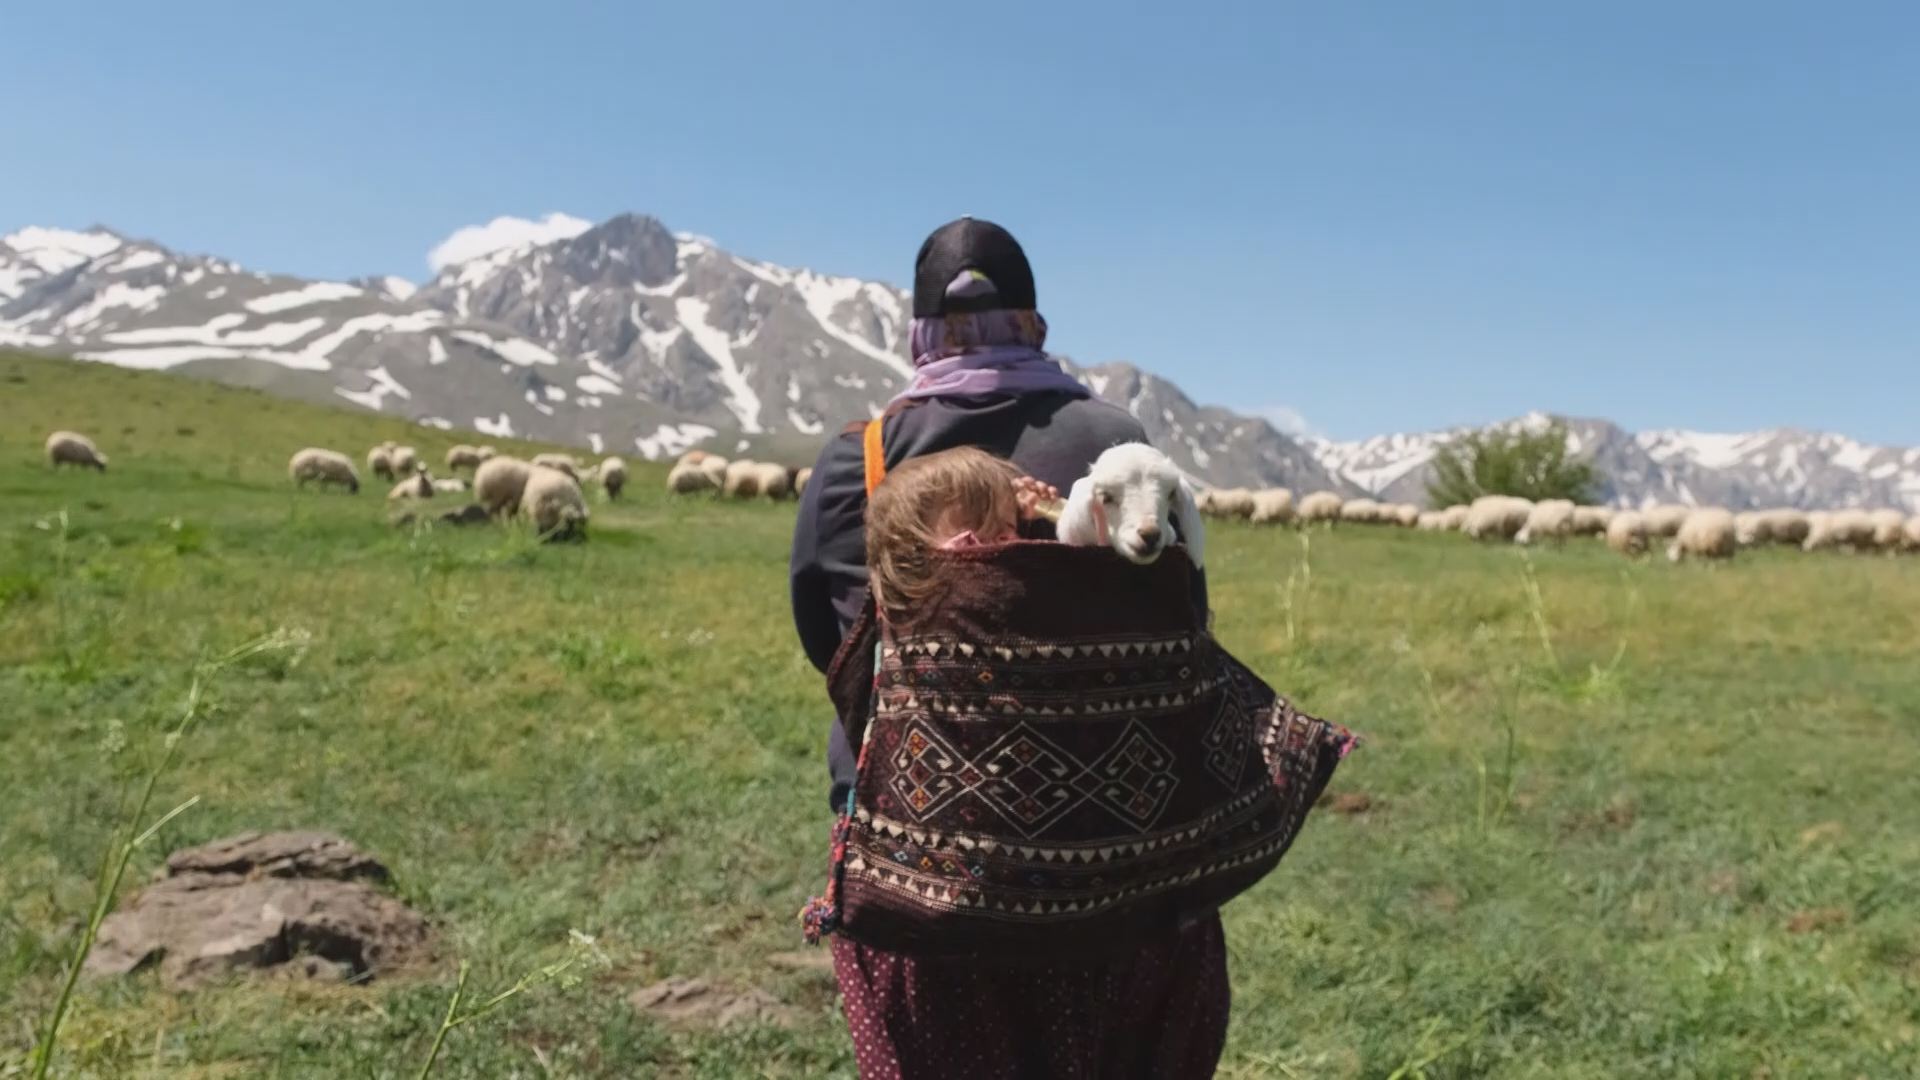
<point x="698" y="1003"/>
<point x="260" y="901"/>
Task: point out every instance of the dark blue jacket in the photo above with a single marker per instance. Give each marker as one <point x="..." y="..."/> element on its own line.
<point x="1053" y="437"/>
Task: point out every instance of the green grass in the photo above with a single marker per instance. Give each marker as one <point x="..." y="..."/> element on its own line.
<point x="1594" y="817"/>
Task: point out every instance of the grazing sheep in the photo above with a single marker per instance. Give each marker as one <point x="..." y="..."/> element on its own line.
<point x="693" y="457"/>
<point x="1664" y="521"/>
<point x="742" y="479"/>
<point x="686" y="479"/>
<point x="1496" y="517"/>
<point x="1406" y="515"/>
<point x="486" y="453"/>
<point x="463" y="456"/>
<point x="774" y="481"/>
<point x="450" y="485"/>
<point x="1591" y="520"/>
<point x="551" y="499"/>
<point x="1320" y="506"/>
<point x="1135" y="501"/>
<point x="1360" y="512"/>
<point x="417" y="486"/>
<point x="1751" y="527"/>
<point x="1888" y="527"/>
<point x="715" y="467"/>
<point x="73" y="448"/>
<point x="1431" y="521"/>
<point x="380" y="462"/>
<point x="561" y="462"/>
<point x="1706" y="534"/>
<point x="1910" y="534"/>
<point x="499" y="482"/>
<point x="1785" y="526"/>
<point x="800" y="481"/>
<point x="1454" y="518"/>
<point x="1550" y="519"/>
<point x="405" y="460"/>
<point x="1627" y="533"/>
<point x="1272" y="506"/>
<point x="1851" y="529"/>
<point x="323" y="467"/>
<point x="613" y="476"/>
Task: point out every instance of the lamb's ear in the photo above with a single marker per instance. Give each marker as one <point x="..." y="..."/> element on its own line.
<point x="1186" y="511"/>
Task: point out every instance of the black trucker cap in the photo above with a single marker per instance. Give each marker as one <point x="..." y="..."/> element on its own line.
<point x="996" y="272"/>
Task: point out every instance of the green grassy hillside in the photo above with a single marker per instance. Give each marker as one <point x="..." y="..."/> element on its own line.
<point x="1647" y="820"/>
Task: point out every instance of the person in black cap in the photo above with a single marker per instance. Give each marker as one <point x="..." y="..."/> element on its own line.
<point x="982" y="378"/>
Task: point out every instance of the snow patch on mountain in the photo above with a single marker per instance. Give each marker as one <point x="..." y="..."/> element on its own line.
<point x="503" y="233"/>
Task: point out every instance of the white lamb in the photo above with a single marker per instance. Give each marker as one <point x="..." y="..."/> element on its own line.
<point x="73" y="448"/>
<point x="553" y="502"/>
<point x="1706" y="534"/>
<point x="499" y="482"/>
<point x="323" y="467"/>
<point x="1550" y="519"/>
<point x="1272" y="506"/>
<point x="405" y="459"/>
<point x="417" y="486"/>
<point x="450" y="485"/>
<point x="1135" y="501"/>
<point x="462" y="456"/>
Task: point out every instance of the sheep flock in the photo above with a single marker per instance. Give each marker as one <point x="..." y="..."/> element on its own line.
<point x="1687" y="532"/>
<point x="549" y="491"/>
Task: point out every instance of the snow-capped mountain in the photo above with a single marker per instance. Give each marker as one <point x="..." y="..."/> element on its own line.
<point x="627" y="337"/>
<point x="1780" y="467"/>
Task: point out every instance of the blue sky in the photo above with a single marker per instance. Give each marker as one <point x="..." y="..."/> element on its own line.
<point x="1386" y="216"/>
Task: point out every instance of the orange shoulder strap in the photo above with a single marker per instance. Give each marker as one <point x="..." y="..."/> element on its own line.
<point x="876" y="456"/>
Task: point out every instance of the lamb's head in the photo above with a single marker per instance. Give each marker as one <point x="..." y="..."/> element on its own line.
<point x="1133" y="500"/>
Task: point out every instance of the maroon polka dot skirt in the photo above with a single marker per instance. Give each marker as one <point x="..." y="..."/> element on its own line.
<point x="1157" y="1010"/>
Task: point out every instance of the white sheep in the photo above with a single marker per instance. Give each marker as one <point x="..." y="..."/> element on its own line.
<point x="687" y="478"/>
<point x="774" y="481"/>
<point x="613" y="476"/>
<point x="801" y="479"/>
<point x="1135" y="501"/>
<point x="1627" y="533"/>
<point x="323" y="467"/>
<point x="1910" y="534"/>
<point x="1431" y="521"/>
<point x="1406" y="515"/>
<point x="450" y="485"/>
<point x="499" y="482"/>
<point x="405" y="460"/>
<point x="552" y="500"/>
<point x="1852" y="529"/>
<point x="1454" y="517"/>
<point x="1359" y="512"/>
<point x="1272" y="506"/>
<point x="1705" y="534"/>
<point x="715" y="468"/>
<point x="693" y="457"/>
<point x="1549" y="519"/>
<point x="1320" y="506"/>
<point x="1888" y="527"/>
<point x="462" y="456"/>
<point x="1664" y="521"/>
<point x="1751" y="527"/>
<point x="1784" y="526"/>
<point x="560" y="462"/>
<point x="742" y="480"/>
<point x="380" y="462"/>
<point x="1496" y="517"/>
<point x="417" y="486"/>
<point x="73" y="448"/>
<point x="1591" y="520"/>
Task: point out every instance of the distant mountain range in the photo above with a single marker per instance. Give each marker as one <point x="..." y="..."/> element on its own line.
<point x="630" y="338"/>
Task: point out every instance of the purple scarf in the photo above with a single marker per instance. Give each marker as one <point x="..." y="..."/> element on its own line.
<point x="984" y="353"/>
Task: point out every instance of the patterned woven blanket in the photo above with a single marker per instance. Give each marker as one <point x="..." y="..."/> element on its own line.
<point x="1058" y="758"/>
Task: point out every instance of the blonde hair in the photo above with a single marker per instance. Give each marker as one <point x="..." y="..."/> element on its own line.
<point x="965" y="486"/>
